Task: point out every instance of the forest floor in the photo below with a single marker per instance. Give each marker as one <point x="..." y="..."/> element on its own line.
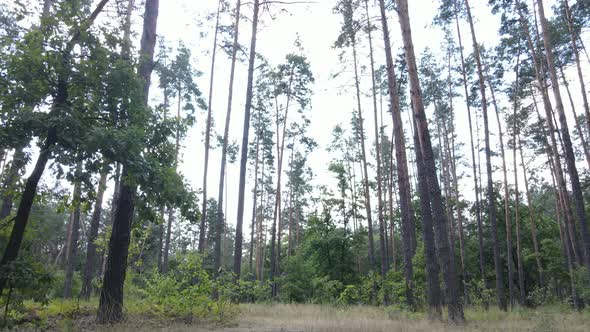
<point x="326" y="318"/>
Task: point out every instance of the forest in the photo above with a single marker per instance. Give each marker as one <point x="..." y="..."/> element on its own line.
<point x="321" y="165"/>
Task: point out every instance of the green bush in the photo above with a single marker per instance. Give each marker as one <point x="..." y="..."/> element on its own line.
<point x="184" y="293"/>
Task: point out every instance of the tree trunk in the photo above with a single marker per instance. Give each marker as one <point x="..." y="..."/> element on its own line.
<point x="201" y="246"/>
<point x="408" y="230"/>
<point x="473" y="159"/>
<point x="17" y="164"/>
<point x="255" y="192"/>
<point x="275" y="256"/>
<point x="445" y="251"/>
<point x="91" y="257"/>
<point x="245" y="142"/>
<point x="490" y="189"/>
<point x="509" y="255"/>
<point x="220" y="218"/>
<point x="382" y="227"/>
<point x="569" y="152"/>
<point x="111" y="297"/>
<point x="73" y="235"/>
<point x="432" y="267"/>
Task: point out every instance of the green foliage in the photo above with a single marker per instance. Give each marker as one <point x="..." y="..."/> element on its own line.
<point x="184" y="293"/>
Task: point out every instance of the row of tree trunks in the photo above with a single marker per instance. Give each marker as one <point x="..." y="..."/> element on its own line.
<point x="490" y="183"/>
<point x="403" y="180"/>
<point x="446" y="253"/>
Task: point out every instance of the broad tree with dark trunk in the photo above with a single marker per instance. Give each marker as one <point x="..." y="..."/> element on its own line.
<point x="59" y="105"/>
<point x="111" y="297"/>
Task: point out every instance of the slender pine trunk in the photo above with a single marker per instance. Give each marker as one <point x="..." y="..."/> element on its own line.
<point x="490" y="184"/>
<point x="245" y="142"/>
<point x="201" y="246"/>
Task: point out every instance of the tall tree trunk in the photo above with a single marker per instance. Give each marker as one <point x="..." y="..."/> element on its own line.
<point x="509" y="255"/>
<point x="490" y="189"/>
<point x="403" y="180"/>
<point x="275" y="256"/>
<point x="166" y="252"/>
<point x="73" y="234"/>
<point x="111" y="297"/>
<point x="91" y="256"/>
<point x="519" y="258"/>
<point x="245" y="142"/>
<point x="255" y="193"/>
<point x="201" y="246"/>
<point x="451" y="152"/>
<point x="570" y="158"/>
<point x="432" y="268"/>
<point x="445" y="251"/>
<point x="222" y="170"/>
<point x="382" y="227"/>
<point x="473" y="159"/>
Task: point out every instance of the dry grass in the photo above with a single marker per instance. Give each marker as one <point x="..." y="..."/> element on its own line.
<point x="328" y="318"/>
<point x="319" y="318"/>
